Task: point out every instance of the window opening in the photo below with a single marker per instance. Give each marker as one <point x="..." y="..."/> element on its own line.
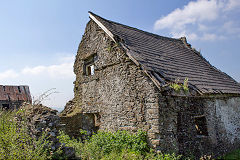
<point x="5" y="106"/>
<point x="25" y="90"/>
<point x="4" y="88"/>
<point x="201" y="125"/>
<point x="89" y="67"/>
<point x="19" y="89"/>
<point x="92" y="69"/>
<point x="8" y="97"/>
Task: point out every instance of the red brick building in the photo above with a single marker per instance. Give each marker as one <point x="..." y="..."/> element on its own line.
<point x="13" y="96"/>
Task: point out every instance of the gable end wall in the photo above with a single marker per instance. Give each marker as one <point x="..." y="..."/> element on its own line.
<point x="119" y="91"/>
<point x="121" y="96"/>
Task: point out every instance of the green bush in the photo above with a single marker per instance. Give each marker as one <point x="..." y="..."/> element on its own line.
<point x="70" y="142"/>
<point x="120" y="145"/>
<point x="160" y="156"/>
<point x="123" y="155"/>
<point x="15" y="141"/>
<point x="232" y="155"/>
<point x="107" y="142"/>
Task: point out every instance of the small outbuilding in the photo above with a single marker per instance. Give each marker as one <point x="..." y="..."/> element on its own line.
<point x="12" y="97"/>
<point x="129" y="79"/>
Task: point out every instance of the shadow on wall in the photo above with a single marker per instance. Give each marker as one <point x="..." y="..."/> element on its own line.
<point x="85" y="121"/>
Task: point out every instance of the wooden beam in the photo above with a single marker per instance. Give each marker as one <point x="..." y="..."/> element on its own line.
<point x="155" y="81"/>
<point x="102" y="26"/>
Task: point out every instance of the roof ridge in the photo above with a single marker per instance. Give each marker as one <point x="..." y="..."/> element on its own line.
<point x="134" y="28"/>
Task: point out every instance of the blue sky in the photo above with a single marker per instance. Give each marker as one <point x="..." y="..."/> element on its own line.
<point x="39" y="39"/>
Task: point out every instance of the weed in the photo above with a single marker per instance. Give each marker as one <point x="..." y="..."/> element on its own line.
<point x="177" y="86"/>
<point x="44" y="96"/>
<point x="15" y="141"/>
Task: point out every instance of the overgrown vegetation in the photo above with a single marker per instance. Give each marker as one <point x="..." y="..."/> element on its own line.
<point x="232" y="155"/>
<point x="120" y="145"/>
<point x="15" y="141"/>
<point x="178" y="86"/>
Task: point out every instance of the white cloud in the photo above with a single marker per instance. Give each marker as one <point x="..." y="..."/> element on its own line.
<point x="191" y="36"/>
<point x="67" y="59"/>
<point x="62" y="70"/>
<point x="43" y="77"/>
<point x="209" y="37"/>
<point x="58" y="71"/>
<point x="194" y="36"/>
<point x="212" y="37"/>
<point x="34" y="71"/>
<point x="202" y="20"/>
<point x="193" y="12"/>
<point x="202" y="27"/>
<point x="231" y="28"/>
<point x="232" y="4"/>
<point x="8" y="74"/>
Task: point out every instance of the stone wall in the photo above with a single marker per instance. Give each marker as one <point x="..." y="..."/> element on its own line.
<point x="223" y="117"/>
<point x="120" y="96"/>
<point x="179" y="126"/>
<point x="39" y="119"/>
<point x="73" y="124"/>
<point x="119" y="91"/>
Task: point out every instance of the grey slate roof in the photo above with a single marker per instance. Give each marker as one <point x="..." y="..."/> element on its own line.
<point x="170" y="58"/>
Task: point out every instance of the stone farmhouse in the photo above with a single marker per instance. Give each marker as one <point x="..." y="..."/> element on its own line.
<point x="12" y="97"/>
<point x="124" y="81"/>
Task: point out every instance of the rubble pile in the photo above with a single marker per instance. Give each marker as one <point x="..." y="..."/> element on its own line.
<point x="68" y="108"/>
<point x="72" y="108"/>
<point x="41" y="118"/>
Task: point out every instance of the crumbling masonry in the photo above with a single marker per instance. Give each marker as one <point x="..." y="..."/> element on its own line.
<point x="122" y="77"/>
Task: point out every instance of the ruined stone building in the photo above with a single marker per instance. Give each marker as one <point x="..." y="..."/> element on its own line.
<point x="11" y="97"/>
<point x="123" y="82"/>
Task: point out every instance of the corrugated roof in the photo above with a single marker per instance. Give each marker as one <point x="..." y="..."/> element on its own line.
<point x="170" y="59"/>
<point x="15" y="93"/>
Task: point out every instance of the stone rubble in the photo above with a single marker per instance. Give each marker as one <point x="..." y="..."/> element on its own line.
<point x="41" y="118"/>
